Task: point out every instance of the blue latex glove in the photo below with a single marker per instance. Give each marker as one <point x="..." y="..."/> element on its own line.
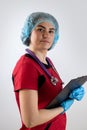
<point x="67" y="104"/>
<point x="77" y="93"/>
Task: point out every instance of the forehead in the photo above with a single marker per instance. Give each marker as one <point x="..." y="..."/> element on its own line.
<point x="45" y="25"/>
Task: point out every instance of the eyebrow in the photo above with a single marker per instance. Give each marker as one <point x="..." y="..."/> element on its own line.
<point x="44" y="27"/>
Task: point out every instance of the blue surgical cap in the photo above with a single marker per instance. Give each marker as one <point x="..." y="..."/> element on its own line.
<point x="33" y="20"/>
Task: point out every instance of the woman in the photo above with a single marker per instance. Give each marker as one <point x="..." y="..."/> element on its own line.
<point x="36" y="82"/>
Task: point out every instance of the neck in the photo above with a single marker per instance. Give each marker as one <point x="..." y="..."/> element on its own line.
<point x="41" y="54"/>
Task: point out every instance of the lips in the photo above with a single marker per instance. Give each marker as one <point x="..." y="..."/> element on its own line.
<point x="46" y="41"/>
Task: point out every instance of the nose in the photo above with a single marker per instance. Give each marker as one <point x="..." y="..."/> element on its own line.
<point x="45" y="34"/>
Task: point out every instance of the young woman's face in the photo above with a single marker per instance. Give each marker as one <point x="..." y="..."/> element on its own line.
<point x="42" y="36"/>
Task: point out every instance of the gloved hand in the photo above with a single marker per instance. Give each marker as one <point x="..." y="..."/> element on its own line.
<point x="67" y="104"/>
<point x="77" y="93"/>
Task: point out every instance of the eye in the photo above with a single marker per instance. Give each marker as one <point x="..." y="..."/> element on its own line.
<point x="52" y="31"/>
<point x="40" y="29"/>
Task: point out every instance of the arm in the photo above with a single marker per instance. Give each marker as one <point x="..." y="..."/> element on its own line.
<point x="30" y="113"/>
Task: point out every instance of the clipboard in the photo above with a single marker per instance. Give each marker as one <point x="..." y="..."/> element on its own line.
<point x="64" y="94"/>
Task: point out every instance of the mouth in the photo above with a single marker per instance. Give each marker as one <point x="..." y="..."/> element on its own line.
<point x="45" y="41"/>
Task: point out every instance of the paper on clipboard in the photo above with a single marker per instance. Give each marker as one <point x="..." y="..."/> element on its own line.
<point x="64" y="94"/>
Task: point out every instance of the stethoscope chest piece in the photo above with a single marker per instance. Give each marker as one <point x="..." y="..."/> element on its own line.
<point x="54" y="80"/>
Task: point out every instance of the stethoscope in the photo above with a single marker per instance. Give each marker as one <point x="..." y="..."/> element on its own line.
<point x="53" y="79"/>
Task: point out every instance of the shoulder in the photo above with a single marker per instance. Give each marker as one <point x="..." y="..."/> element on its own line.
<point x="24" y="60"/>
<point x="26" y="63"/>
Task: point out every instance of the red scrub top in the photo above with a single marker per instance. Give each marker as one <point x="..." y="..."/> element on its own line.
<point x="28" y="74"/>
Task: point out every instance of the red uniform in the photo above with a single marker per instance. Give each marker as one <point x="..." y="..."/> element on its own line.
<point x="28" y="74"/>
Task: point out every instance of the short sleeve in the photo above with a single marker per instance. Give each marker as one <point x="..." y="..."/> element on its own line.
<point x="25" y="76"/>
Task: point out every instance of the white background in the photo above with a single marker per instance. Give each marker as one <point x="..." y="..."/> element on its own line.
<point x="69" y="55"/>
